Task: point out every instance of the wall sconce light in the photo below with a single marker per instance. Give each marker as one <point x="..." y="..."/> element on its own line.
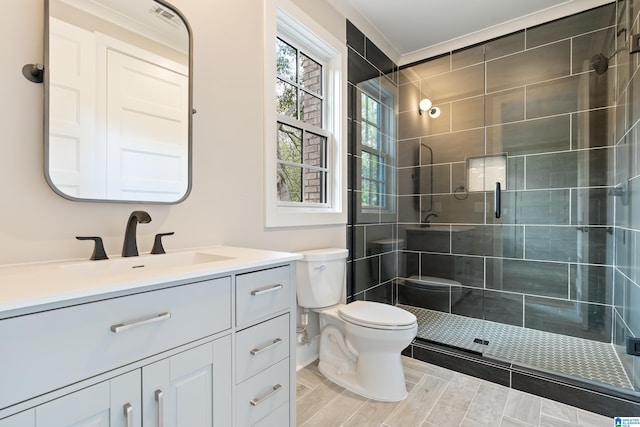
<point x="427" y="105"/>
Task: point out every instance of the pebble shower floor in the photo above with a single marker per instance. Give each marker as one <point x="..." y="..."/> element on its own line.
<point x="591" y="360"/>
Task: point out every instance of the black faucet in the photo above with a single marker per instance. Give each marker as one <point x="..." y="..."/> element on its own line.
<point x="130" y="247"/>
<point x="427" y="218"/>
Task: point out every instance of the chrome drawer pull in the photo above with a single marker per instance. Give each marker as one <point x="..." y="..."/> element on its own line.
<point x="160" y="399"/>
<point x="260" y="350"/>
<point x="128" y="414"/>
<point x="266" y="290"/>
<point x="258" y="400"/>
<point x="153" y="319"/>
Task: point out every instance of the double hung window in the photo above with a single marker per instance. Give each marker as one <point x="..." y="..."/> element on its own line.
<point x="305" y="120"/>
<point x="302" y="141"/>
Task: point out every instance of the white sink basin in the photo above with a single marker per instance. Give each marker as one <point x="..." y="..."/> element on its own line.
<point x="144" y="262"/>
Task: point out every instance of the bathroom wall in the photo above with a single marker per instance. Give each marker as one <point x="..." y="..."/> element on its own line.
<point x="627" y="178"/>
<point x="226" y="203"/>
<point x="372" y="262"/>
<point x="532" y="96"/>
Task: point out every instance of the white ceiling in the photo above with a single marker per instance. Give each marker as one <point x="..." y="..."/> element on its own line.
<point x="410" y="30"/>
<point x="145" y="17"/>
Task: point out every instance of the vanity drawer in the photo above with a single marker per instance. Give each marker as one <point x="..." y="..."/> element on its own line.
<point x="48" y="350"/>
<point x="262" y="293"/>
<point x="260" y="346"/>
<point x="262" y="394"/>
<point x="279" y="417"/>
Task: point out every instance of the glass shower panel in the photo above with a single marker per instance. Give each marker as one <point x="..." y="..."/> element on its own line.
<point x="535" y="285"/>
<point x="440" y="221"/>
<point x="555" y="284"/>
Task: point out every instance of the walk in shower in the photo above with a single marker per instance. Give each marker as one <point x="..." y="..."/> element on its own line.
<point x="524" y="273"/>
<point x="542" y="272"/>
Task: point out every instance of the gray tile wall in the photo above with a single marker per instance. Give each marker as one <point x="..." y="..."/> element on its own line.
<point x="571" y="136"/>
<point x="548" y="263"/>
<point x="372" y="267"/>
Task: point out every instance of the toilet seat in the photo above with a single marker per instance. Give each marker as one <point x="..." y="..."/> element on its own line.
<point x="376" y="315"/>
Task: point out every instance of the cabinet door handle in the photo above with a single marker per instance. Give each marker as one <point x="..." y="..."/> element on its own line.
<point x="260" y="350"/>
<point x="128" y="414"/>
<point x="258" y="400"/>
<point x="160" y="399"/>
<point x="266" y="290"/>
<point x="120" y="327"/>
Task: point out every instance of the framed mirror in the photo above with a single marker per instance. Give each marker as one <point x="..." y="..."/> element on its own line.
<point x="118" y="101"/>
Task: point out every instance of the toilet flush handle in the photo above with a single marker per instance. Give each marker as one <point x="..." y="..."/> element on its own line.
<point x="321" y="267"/>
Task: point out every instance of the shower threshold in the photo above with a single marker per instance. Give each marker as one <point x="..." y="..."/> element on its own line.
<point x="577" y="357"/>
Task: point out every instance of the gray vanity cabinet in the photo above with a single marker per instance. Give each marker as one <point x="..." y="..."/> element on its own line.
<point x="110" y="403"/>
<point x="102" y="404"/>
<point x="187" y="389"/>
<point x="177" y="391"/>
<point x="81" y="341"/>
<point x="212" y="352"/>
<point x="23" y="419"/>
<point x="190" y="388"/>
<point x="265" y="375"/>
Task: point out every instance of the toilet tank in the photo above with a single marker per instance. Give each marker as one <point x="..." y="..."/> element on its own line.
<point x="320" y="277"/>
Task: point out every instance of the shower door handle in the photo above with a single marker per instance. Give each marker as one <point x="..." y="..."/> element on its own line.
<point x="497" y="200"/>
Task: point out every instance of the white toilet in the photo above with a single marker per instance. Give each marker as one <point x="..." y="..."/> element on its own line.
<point x="360" y="342"/>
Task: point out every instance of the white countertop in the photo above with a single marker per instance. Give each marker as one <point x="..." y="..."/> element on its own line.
<point x="23" y="286"/>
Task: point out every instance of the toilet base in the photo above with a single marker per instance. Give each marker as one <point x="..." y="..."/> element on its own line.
<point x="393" y="391"/>
<point x="366" y="361"/>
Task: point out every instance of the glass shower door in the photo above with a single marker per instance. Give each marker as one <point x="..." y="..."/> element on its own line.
<point x="535" y="285"/>
<point x="554" y="288"/>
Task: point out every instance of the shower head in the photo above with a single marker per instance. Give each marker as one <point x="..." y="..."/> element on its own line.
<point x="599" y="63"/>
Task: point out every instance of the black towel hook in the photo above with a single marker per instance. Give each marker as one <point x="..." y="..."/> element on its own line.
<point x="33" y="72"/>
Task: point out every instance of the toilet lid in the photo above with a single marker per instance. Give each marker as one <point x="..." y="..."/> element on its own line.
<point x="377" y="315"/>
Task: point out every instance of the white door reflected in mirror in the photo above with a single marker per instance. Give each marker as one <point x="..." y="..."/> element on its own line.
<point x="119" y="102"/>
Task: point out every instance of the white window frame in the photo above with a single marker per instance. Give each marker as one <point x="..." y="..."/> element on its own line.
<point x="284" y="19"/>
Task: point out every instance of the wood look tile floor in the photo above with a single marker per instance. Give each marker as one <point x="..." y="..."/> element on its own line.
<point x="437" y="397"/>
